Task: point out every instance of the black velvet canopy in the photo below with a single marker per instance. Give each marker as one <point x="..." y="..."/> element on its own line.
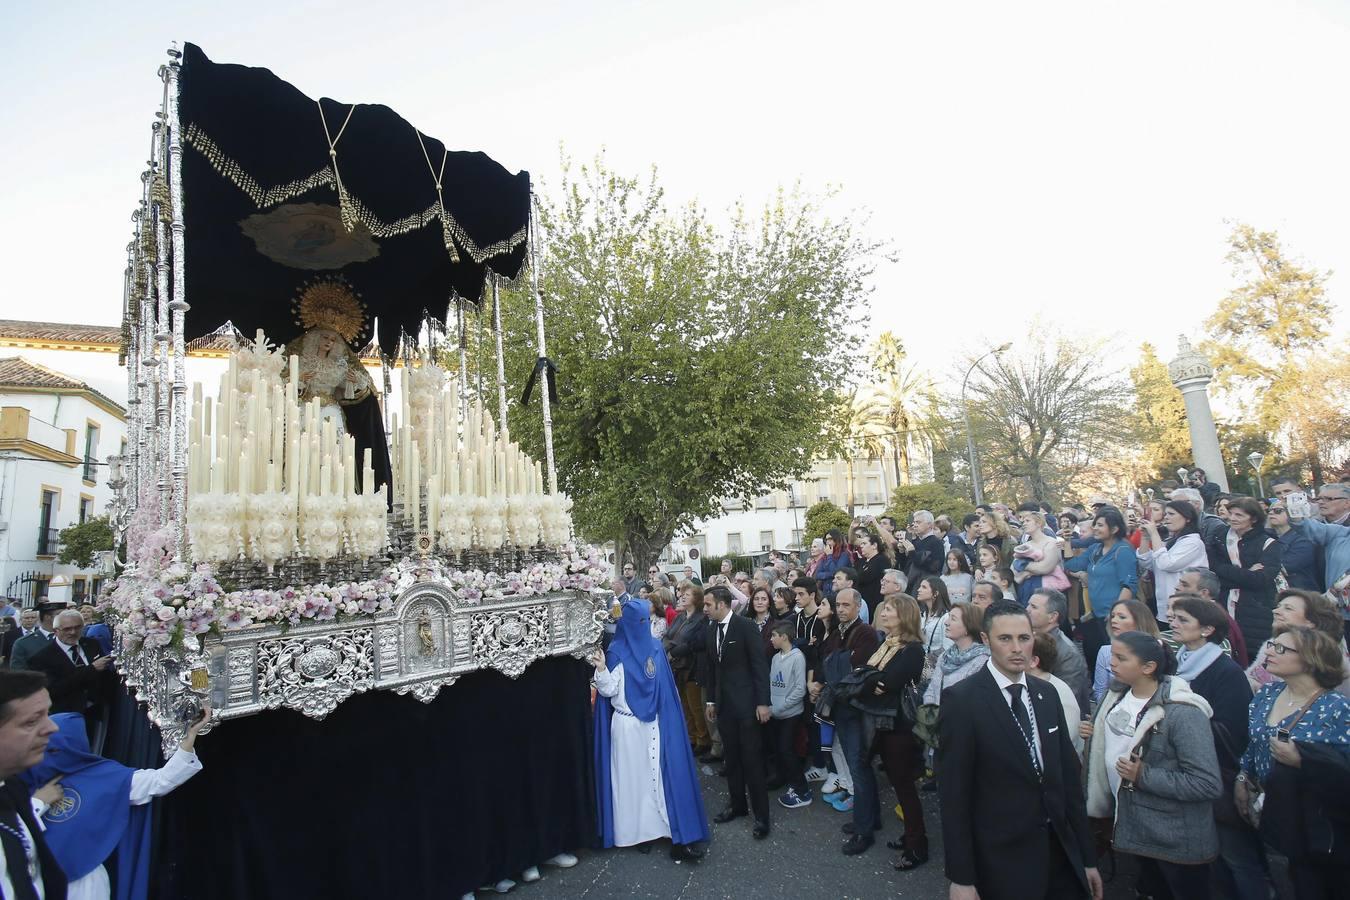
<point x="263" y="207"/>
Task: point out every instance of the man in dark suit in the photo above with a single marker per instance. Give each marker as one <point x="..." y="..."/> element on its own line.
<point x="738" y="700"/>
<point x="21" y="654"/>
<point x="80" y="676"/>
<point x="25" y="727"/>
<point x="28" y="624"/>
<point x="1014" y="823"/>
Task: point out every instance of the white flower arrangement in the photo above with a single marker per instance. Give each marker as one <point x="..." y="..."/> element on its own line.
<point x="271" y="527"/>
<point x="322" y="526"/>
<point x="216" y="526"/>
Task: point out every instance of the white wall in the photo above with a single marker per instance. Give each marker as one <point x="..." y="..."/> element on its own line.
<point x="23" y="480"/>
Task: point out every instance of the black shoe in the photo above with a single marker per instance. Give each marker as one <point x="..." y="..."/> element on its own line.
<point x="645" y="848"/>
<point x="857" y="844"/>
<point x="710" y="758"/>
<point x="728" y="814"/>
<point x="911" y="859"/>
<point x="686" y="853"/>
<point x="761" y="830"/>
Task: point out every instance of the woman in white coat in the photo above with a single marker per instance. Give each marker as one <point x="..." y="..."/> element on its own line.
<point x="1184" y="549"/>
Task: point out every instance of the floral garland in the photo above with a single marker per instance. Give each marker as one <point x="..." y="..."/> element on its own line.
<point x="162" y="603"/>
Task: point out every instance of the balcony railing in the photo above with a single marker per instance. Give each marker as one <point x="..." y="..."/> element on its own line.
<point x="49" y="539"/>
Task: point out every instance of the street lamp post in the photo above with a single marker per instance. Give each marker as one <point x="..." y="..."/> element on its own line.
<point x="965" y="415"/>
<point x="1256" y="459"/>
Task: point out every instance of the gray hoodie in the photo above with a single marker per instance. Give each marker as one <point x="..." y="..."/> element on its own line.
<point x="787" y="683"/>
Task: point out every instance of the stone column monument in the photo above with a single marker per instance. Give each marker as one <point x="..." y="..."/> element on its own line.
<point x="1191" y="373"/>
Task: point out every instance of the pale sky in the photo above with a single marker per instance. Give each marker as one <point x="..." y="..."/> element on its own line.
<point x="1077" y="160"/>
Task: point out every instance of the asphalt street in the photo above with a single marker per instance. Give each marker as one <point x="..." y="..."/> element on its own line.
<point x="801" y="858"/>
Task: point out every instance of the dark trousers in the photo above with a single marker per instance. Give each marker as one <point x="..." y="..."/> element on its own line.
<point x="1313" y="881"/>
<point x="1241" y="871"/>
<point x="1183" y="881"/>
<point x="790" y="769"/>
<point x="743" y="750"/>
<point x="1093" y="634"/>
<point x="1062" y="882"/>
<point x="903" y="760"/>
<point x="866" y="804"/>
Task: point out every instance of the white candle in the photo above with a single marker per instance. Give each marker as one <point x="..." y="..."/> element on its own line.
<point x="416" y="484"/>
<point x="368" y="474"/>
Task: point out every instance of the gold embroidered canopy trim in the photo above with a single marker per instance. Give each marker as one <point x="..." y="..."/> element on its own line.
<point x="264" y="198"/>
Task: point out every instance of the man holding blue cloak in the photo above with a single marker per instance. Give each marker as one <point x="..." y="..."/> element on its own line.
<point x="647" y="785"/>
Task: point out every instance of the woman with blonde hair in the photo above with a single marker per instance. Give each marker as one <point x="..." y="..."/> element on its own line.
<point x="898" y="665"/>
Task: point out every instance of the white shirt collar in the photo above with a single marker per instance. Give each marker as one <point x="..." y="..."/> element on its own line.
<point x="65" y="646"/>
<point x="727" y="618"/>
<point x="1003" y="680"/>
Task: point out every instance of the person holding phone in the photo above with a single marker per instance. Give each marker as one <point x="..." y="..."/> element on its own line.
<point x="92" y="807"/>
<point x="1151" y="766"/>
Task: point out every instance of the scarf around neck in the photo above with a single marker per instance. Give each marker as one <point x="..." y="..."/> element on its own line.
<point x="883" y="654"/>
<point x="1191" y="663"/>
<point x="955" y="657"/>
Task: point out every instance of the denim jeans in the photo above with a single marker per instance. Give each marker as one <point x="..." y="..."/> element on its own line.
<point x="1241" y="871"/>
<point x="866" y="805"/>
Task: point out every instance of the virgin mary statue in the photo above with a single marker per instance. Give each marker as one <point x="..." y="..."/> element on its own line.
<point x="330" y="370"/>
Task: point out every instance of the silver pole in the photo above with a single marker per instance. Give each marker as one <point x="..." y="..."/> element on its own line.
<point x="178" y="306"/>
<point x="543" y="351"/>
<point x="133" y="364"/>
<point x="501" y="362"/>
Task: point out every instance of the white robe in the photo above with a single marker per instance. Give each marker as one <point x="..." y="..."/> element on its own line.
<point x="637" y="791"/>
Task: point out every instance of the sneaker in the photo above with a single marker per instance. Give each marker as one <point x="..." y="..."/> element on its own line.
<point x="831" y="783"/>
<point x="562" y="861"/>
<point x="792" y="800"/>
<point x="816" y="773"/>
<point x="841" y="802"/>
<point x="504" y="886"/>
<point x="531" y="875"/>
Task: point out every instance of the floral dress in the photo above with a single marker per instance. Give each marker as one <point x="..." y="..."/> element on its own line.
<point x="1326" y="722"/>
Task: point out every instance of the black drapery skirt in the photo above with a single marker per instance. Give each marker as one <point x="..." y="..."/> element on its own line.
<point x="387" y="796"/>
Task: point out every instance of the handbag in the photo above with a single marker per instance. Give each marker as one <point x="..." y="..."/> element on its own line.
<point x="927" y="720"/>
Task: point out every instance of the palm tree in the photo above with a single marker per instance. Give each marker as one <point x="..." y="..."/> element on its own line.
<point x="864" y="435"/>
<point x="898" y="399"/>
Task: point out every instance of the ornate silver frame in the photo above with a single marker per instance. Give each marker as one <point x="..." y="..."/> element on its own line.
<point x="427" y="641"/>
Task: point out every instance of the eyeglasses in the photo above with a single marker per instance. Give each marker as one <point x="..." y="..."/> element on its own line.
<point x="1278" y="510"/>
<point x="1280" y="649"/>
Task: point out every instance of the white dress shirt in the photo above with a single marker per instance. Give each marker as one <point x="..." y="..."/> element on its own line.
<point x="1003" y="681"/>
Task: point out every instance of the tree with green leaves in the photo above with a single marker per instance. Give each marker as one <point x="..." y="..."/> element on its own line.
<point x="1044" y="414"/>
<point x="695" y="361"/>
<point x="79" y="543"/>
<point x="821" y="517"/>
<point x="865" y="436"/>
<point x="1159" y="416"/>
<point x="908" y="499"/>
<point x="1266" y="333"/>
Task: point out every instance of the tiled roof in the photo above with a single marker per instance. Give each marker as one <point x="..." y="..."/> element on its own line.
<point x="17" y="372"/>
<point x="20" y="329"/>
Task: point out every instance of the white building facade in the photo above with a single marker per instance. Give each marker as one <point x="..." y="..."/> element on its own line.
<point x="776" y="520"/>
<point x="56" y="434"/>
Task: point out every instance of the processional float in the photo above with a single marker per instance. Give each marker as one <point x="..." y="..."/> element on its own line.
<point x="279" y="551"/>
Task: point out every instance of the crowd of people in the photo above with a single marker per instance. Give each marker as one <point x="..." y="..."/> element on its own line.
<point x="1174" y="669"/>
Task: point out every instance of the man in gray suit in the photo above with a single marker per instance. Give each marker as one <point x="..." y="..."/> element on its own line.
<point x="1049" y="610"/>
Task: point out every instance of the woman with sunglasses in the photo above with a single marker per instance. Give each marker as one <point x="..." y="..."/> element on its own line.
<point x="1295" y="779"/>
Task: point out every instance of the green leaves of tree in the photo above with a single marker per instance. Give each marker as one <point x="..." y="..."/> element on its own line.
<point x="696" y="360"/>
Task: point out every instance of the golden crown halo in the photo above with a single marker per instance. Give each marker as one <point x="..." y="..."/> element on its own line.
<point x="331" y="303"/>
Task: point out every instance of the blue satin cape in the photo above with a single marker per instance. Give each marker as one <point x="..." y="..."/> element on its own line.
<point x="649" y="688"/>
<point x="96" y="816"/>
